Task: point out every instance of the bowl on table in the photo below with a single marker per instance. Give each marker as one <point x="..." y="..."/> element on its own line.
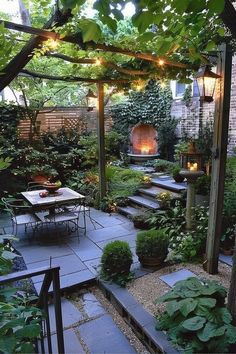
<point x="51" y="187"/>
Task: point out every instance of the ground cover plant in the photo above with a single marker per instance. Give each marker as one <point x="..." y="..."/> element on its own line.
<point x="196" y="318"/>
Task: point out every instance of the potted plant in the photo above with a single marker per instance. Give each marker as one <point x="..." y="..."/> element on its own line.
<point x="152" y="247"/>
<point x="140" y="221"/>
<point x="164" y="199"/>
<point x="116" y="260"/>
<point x="227" y="241"/>
<point x="175" y="174"/>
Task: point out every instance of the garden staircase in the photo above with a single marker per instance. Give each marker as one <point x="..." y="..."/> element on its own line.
<point x="146" y="197"/>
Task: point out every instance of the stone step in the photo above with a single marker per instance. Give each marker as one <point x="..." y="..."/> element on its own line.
<point x="128" y="211"/>
<point x="169" y="184"/>
<point x="145" y="202"/>
<point x="153" y="191"/>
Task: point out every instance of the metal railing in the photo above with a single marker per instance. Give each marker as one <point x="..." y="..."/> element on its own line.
<point x="51" y="277"/>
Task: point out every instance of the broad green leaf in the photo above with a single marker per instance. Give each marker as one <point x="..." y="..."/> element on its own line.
<point x="207" y="302"/>
<point x="27" y="348"/>
<point x="231" y="334"/>
<point x="194" y="324"/>
<point x="172" y="307"/>
<point x="181" y="6"/>
<point x="187" y="305"/>
<point x="216" y="6"/>
<point x="210" y="46"/>
<point x="90" y="31"/>
<point x="207" y="332"/>
<point x="29" y="331"/>
<point x="142" y="20"/>
<point x="70" y="4"/>
<point x="110" y="22"/>
<point x="221" y="32"/>
<point x="7" y="344"/>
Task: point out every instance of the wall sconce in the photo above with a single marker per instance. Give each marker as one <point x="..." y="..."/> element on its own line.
<point x="91" y="100"/>
<point x="206" y="81"/>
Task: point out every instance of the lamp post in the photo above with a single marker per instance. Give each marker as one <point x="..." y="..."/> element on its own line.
<point x="191" y="169"/>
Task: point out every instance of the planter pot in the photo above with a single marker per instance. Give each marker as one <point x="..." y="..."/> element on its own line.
<point x="178" y="179"/>
<point x="39" y="178"/>
<point x="141" y="224"/>
<point x="151" y="262"/>
<point x="227" y="251"/>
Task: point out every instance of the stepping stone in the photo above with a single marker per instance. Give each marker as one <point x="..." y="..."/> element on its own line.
<point x="70" y="314"/>
<point x="71" y="343"/>
<point x="92" y="306"/>
<point x="169" y="184"/>
<point x="107" y="233"/>
<point x="128" y="211"/>
<point x="182" y="274"/>
<point x="147" y="203"/>
<point x="153" y="191"/>
<point x="103" y="336"/>
<point x="85" y="249"/>
<point x="226" y="259"/>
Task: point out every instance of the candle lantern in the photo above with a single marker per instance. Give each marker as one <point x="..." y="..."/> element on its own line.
<point x="206" y="80"/>
<point x="91" y="100"/>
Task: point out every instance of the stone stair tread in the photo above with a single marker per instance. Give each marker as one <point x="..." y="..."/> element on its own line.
<point x="147" y="203"/>
<point x="169" y="184"/>
<point x="153" y="191"/>
<point x="128" y="210"/>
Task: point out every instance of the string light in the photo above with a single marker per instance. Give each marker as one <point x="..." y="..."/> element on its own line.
<point x="52" y="44"/>
<point x="98" y="62"/>
<point x="161" y="62"/>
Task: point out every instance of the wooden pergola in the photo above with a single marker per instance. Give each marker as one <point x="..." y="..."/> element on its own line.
<point x="16" y="67"/>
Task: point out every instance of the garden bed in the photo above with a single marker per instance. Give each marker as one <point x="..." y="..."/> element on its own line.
<point x="156" y="287"/>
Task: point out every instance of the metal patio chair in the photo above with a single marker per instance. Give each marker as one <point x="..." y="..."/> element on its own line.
<point x="21" y="214"/>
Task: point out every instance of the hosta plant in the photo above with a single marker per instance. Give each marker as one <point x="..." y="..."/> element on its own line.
<point x="196" y="318"/>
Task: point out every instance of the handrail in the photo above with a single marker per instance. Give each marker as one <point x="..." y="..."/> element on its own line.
<point x="51" y="276"/>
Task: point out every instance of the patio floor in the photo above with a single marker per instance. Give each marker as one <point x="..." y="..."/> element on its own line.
<point x="78" y="257"/>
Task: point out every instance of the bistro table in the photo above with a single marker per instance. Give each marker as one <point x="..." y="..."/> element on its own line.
<point x="64" y="198"/>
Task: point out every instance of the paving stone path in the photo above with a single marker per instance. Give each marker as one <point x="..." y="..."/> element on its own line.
<point x="88" y="328"/>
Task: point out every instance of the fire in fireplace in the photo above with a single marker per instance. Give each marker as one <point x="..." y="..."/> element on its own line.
<point x="143" y="140"/>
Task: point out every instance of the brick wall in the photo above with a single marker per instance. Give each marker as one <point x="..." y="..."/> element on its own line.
<point x="189" y="116"/>
<point x="69" y="117"/>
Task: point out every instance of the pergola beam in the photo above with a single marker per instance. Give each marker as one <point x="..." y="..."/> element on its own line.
<point x="28" y="73"/>
<point x="24" y="56"/>
<point x="77" y="39"/>
<point x="95" y="62"/>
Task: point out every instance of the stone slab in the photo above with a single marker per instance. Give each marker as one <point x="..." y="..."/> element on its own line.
<point x="37" y="253"/>
<point x="91" y="306"/>
<point x="93" y="265"/>
<point x="182" y="274"/>
<point x="68" y="264"/>
<point x="147" y="203"/>
<point x="226" y="259"/>
<point x="107" y="233"/>
<point x="85" y="248"/>
<point x="140" y="315"/>
<point x="169" y="184"/>
<point x="128" y="211"/>
<point x="129" y="238"/>
<point x="70" y="314"/>
<point x="71" y="343"/>
<point x="108" y="220"/>
<point x="103" y="336"/>
<point x="71" y="280"/>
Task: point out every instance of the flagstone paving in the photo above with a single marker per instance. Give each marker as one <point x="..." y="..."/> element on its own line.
<point x="78" y="257"/>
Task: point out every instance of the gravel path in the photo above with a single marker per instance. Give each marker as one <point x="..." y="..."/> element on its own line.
<point x="149" y="287"/>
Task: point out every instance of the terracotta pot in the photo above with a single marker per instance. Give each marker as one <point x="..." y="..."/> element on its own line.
<point x="39" y="178"/>
<point x="227" y="251"/>
<point x="151" y="262"/>
<point x="142" y="225"/>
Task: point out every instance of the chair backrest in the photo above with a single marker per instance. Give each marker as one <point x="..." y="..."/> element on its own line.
<point x="33" y="186"/>
<point x="15" y="206"/>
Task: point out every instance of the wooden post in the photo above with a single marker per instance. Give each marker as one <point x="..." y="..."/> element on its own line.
<point x="220" y="141"/>
<point x="101" y="142"/>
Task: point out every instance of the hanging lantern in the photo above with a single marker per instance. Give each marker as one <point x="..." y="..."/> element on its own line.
<point x="206" y="80"/>
<point x="91" y="100"/>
